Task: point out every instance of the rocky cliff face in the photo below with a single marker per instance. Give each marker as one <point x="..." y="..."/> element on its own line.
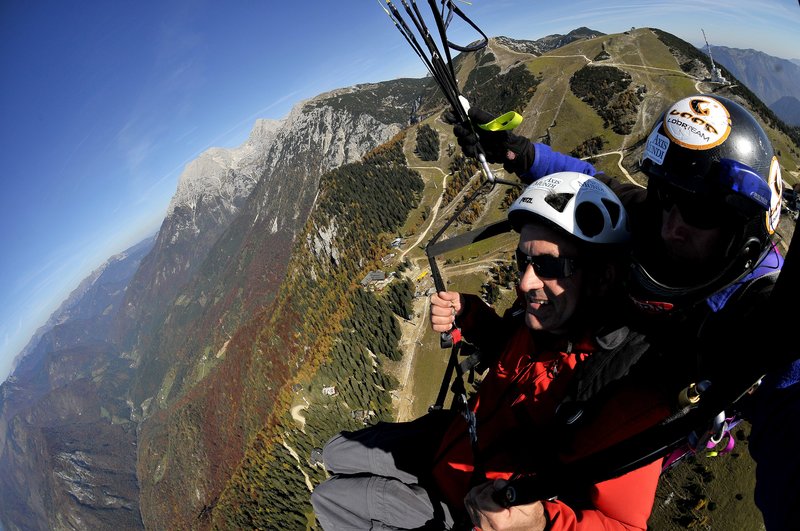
<point x="228" y="175"/>
<point x="210" y="192"/>
<point x="216" y="259"/>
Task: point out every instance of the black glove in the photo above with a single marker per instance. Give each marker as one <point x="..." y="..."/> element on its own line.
<point x="515" y="152"/>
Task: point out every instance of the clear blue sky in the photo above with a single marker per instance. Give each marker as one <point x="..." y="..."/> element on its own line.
<point x="103" y="103"/>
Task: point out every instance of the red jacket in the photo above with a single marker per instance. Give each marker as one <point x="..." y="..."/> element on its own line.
<point x="515" y="407"/>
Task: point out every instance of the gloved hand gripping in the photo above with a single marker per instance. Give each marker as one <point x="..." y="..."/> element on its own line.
<point x="514" y="152"/>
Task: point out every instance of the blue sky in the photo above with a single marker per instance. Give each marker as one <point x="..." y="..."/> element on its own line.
<point x="102" y="104"/>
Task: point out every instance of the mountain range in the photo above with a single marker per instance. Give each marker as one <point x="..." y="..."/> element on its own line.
<point x="774" y="80"/>
<point x="66" y="392"/>
<point x="218" y="258"/>
<point x="189" y="382"/>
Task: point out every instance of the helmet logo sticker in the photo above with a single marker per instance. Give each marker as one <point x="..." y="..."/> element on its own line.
<point x="547" y="183"/>
<point x="698" y="122"/>
<point x="775" y="183"/>
<point x="591" y="184"/>
<point x="699" y="106"/>
<point x="657" y="145"/>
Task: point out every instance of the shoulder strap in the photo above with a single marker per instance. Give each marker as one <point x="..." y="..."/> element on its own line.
<point x="620" y="350"/>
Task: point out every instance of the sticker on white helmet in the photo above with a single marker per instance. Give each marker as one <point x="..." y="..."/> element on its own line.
<point x="591" y="184"/>
<point x="656" y="148"/>
<point x="698" y="122"/>
<point x="548" y="183"/>
<point x="775" y="183"/>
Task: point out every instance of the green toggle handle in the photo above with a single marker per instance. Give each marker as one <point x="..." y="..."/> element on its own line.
<point x="503" y="123"/>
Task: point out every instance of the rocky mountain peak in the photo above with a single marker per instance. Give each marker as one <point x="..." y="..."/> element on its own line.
<point x="228" y="174"/>
<point x="548" y="43"/>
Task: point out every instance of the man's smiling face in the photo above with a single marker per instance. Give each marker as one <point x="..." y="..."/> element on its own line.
<point x="549" y="302"/>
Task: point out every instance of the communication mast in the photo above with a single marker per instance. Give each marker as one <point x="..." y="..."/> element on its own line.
<point x="716" y="75"/>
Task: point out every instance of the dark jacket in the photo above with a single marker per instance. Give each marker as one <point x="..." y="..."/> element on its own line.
<point x="729" y="323"/>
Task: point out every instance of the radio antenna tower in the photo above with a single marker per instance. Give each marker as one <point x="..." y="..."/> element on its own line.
<point x="716" y="75"/>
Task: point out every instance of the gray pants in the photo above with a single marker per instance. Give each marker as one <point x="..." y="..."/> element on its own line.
<point x="380" y="476"/>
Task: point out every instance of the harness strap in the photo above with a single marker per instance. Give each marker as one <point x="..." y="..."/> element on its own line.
<point x="723" y="430"/>
<point x="468" y="364"/>
<point x="444" y="387"/>
<point x="460" y="401"/>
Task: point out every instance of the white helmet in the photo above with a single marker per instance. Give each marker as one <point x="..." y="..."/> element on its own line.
<point x="577" y="203"/>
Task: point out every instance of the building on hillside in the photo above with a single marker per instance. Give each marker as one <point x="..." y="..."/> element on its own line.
<point x="362" y="415"/>
<point x="329" y="390"/>
<point x="372" y="277"/>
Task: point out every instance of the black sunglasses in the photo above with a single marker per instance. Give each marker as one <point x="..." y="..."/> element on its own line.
<point x="702" y="214"/>
<point x="546" y="266"/>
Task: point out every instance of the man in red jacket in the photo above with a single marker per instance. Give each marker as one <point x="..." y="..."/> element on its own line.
<point x="416" y="475"/>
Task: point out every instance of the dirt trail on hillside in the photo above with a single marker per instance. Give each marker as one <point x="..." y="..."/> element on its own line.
<point x="434" y="211"/>
<point x="295" y="411"/>
<point x="404" y="398"/>
<point x="619" y="164"/>
<point x="412" y="331"/>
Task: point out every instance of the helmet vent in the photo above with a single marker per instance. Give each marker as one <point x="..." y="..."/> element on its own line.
<point x="589" y="219"/>
<point x="613" y="211"/>
<point x="558" y="201"/>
